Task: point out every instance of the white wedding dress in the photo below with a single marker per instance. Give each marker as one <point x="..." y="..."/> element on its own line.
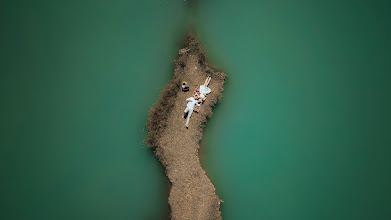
<point x="204" y="91"/>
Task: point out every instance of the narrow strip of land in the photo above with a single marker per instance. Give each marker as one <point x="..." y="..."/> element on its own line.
<point x="192" y="194"/>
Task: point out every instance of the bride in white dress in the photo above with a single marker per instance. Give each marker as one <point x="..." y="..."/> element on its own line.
<point x="204" y="89"/>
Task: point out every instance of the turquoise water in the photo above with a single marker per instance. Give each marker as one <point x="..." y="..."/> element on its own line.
<point x="77" y="81"/>
<point x="303" y="131"/>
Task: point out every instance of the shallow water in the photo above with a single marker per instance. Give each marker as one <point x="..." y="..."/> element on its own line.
<point x="303" y="131"/>
<point x="77" y="81"/>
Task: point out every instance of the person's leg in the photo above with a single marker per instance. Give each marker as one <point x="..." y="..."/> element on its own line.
<point x="186" y="112"/>
<point x="188" y="117"/>
<point x="206" y="81"/>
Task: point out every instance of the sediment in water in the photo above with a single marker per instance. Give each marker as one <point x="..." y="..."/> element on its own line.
<point x="192" y="194"/>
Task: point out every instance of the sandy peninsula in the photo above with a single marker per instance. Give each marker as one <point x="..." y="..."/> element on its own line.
<point x="192" y="194"/>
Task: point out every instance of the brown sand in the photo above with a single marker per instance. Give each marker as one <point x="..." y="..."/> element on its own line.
<point x="192" y="194"/>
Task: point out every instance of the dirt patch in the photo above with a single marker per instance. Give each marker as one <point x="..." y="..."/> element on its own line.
<point x="192" y="194"/>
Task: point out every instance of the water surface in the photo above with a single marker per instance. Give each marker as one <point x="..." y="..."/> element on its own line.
<point x="77" y="81"/>
<point x="303" y="131"/>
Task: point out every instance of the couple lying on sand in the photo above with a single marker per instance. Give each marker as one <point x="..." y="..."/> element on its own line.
<point x="197" y="99"/>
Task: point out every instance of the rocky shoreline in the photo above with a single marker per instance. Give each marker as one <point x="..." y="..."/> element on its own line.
<point x="192" y="194"/>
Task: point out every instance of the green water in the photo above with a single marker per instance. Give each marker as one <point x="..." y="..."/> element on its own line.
<point x="77" y="81"/>
<point x="303" y="131"/>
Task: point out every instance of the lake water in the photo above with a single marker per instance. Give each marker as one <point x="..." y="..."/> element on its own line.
<point x="77" y="81"/>
<point x="303" y="130"/>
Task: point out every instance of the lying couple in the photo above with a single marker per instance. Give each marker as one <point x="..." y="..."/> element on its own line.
<point x="197" y="99"/>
